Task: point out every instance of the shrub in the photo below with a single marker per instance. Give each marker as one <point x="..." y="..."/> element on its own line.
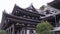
<point x="44" y="28"/>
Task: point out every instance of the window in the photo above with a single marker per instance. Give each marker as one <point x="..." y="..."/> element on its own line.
<point x="28" y="16"/>
<point x="28" y="24"/>
<point x="5" y="21"/>
<point x="32" y="17"/>
<point x="32" y="32"/>
<point x="30" y="10"/>
<point x="59" y="23"/>
<point x="17" y="13"/>
<point x="36" y="18"/>
<point x="24" y="16"/>
<point x="48" y="12"/>
<point x="53" y="11"/>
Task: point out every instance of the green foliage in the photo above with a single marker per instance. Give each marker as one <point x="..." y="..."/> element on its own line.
<point x="42" y="7"/>
<point x="1" y="31"/>
<point x="44" y="28"/>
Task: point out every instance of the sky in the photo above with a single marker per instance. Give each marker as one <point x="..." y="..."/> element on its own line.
<point x="8" y="5"/>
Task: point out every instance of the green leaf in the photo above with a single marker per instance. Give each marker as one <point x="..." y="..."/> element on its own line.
<point x="1" y="31"/>
<point x="44" y="28"/>
<point x="42" y="7"/>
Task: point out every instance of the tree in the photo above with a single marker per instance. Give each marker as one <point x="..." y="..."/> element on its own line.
<point x="42" y="7"/>
<point x="1" y="31"/>
<point x="44" y="28"/>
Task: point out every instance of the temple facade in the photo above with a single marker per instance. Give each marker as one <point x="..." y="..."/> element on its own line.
<point x="24" y="21"/>
<point x="20" y="21"/>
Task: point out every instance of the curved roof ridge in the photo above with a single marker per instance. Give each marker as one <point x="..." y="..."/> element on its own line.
<point x="31" y="8"/>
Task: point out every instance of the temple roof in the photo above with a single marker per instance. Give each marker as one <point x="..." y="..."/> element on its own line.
<point x="31" y="8"/>
<point x="51" y="13"/>
<point x="55" y="4"/>
<point x="43" y="14"/>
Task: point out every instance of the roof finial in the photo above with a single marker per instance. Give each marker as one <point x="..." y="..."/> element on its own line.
<point x="4" y="10"/>
<point x="15" y="5"/>
<point x="31" y="4"/>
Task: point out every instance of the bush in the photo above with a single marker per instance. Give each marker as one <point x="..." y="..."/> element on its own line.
<point x="42" y="7"/>
<point x="1" y="31"/>
<point x="44" y="28"/>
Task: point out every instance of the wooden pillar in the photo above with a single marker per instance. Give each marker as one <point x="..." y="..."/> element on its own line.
<point x="18" y="32"/>
<point x="7" y="30"/>
<point x="10" y="30"/>
<point x="13" y="30"/>
<point x="25" y="29"/>
<point x="30" y="32"/>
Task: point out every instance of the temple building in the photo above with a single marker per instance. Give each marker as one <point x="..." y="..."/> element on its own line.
<point x="56" y="7"/>
<point x="24" y="21"/>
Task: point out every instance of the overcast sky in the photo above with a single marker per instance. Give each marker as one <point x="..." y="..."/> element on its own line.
<point x="8" y="5"/>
